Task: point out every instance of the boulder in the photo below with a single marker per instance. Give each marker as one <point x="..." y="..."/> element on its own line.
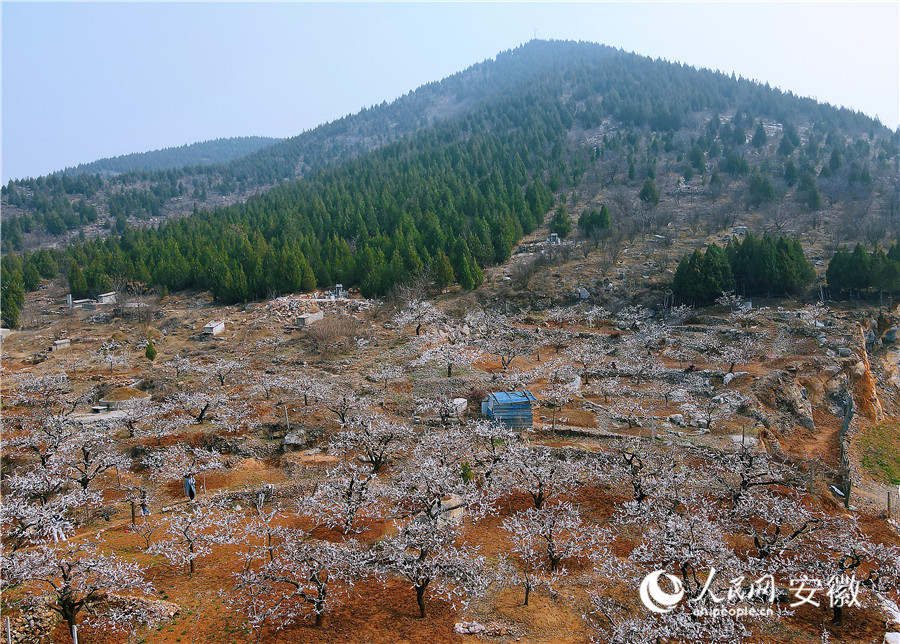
<point x="296" y="439"/>
<point x="728" y="377"/>
<point x="468" y="628"/>
<point x="677" y="420"/>
<point x="844" y="352"/>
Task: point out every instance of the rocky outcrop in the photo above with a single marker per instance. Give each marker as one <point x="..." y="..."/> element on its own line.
<point x="796" y="399"/>
<point x="781" y="391"/>
<point x="865" y="391"/>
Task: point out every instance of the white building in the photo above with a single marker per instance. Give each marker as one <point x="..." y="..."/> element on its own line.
<point x="214" y="328"/>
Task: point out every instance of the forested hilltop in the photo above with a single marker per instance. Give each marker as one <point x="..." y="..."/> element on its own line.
<point x="45" y="210"/>
<point x="447" y="179"/>
<point x="191" y="154"/>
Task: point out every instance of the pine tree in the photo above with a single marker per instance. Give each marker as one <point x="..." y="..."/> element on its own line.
<point x="464" y="276"/>
<point x="477" y="274"/>
<point x="308" y="279"/>
<point x="759" y="136"/>
<point x="561" y="224"/>
<point x="759" y="190"/>
<point x="790" y="173"/>
<point x="648" y="193"/>
<point x="716" y="273"/>
<point x="31" y="277"/>
<point x="77" y="283"/>
<point x="150" y="351"/>
<point x="12" y="298"/>
<point x="442" y="271"/>
<point x="594" y="221"/>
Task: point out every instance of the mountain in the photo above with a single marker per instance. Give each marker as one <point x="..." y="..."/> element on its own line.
<point x="191" y="154"/>
<point x="49" y="210"/>
<point x="448" y="178"/>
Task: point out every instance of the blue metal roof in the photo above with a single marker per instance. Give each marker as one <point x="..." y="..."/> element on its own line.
<point x="512" y="397"/>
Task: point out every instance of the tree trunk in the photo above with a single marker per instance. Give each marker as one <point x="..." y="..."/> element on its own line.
<point x="527" y="592"/>
<point x="320" y="605"/>
<point x="69" y="613"/>
<point x="838" y="615"/>
<point x="449" y="369"/>
<point x="420" y="598"/>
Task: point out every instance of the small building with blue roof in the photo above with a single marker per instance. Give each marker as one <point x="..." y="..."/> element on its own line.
<point x="512" y="408"/>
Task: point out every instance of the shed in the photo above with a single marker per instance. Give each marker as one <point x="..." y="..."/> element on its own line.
<point x="107" y="298"/>
<point x="512" y="408"/>
<point x="125" y="397"/>
<point x="5" y="333"/>
<point x="339" y="291"/>
<point x="59" y="345"/>
<point x="554" y="239"/>
<point x="84" y="305"/>
<point x="308" y="318"/>
<point x="214" y="328"/>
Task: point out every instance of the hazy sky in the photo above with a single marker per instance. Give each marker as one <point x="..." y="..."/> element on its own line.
<point x="86" y="81"/>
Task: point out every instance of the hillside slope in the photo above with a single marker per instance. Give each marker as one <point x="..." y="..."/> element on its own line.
<point x="190" y="154"/>
<point x="452" y="175"/>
